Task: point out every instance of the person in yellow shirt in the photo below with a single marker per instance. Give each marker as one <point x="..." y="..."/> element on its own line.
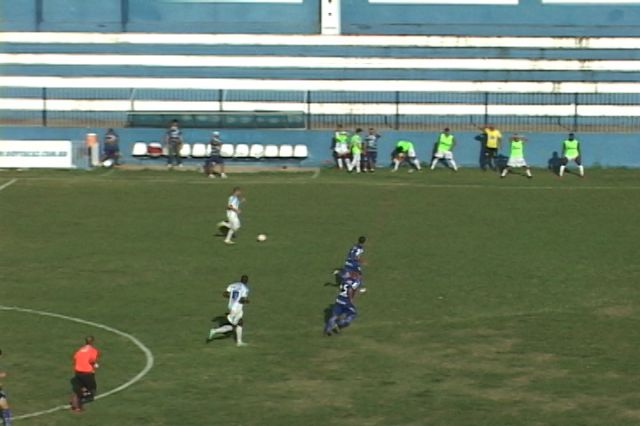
<point x="492" y="141"/>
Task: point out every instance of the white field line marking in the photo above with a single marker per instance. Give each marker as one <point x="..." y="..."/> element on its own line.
<point x="147" y="353"/>
<point x="8" y="184"/>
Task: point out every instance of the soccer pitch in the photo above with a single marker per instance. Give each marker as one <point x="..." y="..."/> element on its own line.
<point x="491" y="302"/>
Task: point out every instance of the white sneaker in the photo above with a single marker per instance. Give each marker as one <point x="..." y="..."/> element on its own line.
<point x="241" y="344"/>
<point x="229" y="242"/>
<point x="180" y="166"/>
<point x="212" y="176"/>
<point x="223" y="176"/>
<point x="169" y="166"/>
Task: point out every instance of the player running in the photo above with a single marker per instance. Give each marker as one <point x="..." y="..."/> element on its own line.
<point x="405" y="151"/>
<point x="445" y="143"/>
<point x="571" y="152"/>
<point x="233" y="214"/>
<point x="343" y="311"/>
<point x="352" y="264"/>
<point x="83" y="383"/>
<point x="5" y="411"/>
<point x="516" y="156"/>
<point x="238" y="295"/>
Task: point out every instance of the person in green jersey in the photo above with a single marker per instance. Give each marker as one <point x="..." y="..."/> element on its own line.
<point x="516" y="156"/>
<point x="444" y="147"/>
<point x="405" y="151"/>
<point x="355" y="146"/>
<point x="340" y="146"/>
<point x="571" y="152"/>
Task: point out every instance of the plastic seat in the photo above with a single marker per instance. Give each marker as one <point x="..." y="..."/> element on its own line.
<point x="154" y="149"/>
<point x="242" y="150"/>
<point x="256" y="151"/>
<point x="286" y="151"/>
<point x="300" y="151"/>
<point x="199" y="150"/>
<point x="226" y="150"/>
<point x="185" y="150"/>
<point x="139" y="149"/>
<point x="271" y="151"/>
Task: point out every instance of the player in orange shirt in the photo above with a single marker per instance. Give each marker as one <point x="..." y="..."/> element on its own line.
<point x="83" y="383"/>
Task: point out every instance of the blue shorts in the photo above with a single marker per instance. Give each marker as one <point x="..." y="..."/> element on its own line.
<point x="214" y="159"/>
<point x="346" y="309"/>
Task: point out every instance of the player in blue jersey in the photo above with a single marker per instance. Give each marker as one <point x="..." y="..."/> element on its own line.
<point x="343" y="311"/>
<point x="354" y="256"/>
<point x="5" y="411"/>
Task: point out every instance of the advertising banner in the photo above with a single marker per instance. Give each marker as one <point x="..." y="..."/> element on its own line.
<point x="35" y="154"/>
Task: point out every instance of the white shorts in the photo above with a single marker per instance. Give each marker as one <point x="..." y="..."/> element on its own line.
<point x="233" y="219"/>
<point x="447" y="155"/>
<point x="341" y="152"/>
<point x="411" y="153"/>
<point x="235" y="315"/>
<point x="516" y="162"/>
<point x="572" y="158"/>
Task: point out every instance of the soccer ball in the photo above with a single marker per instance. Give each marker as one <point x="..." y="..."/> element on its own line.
<point x="261" y="238"/>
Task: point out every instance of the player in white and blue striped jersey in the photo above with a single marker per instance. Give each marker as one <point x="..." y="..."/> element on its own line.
<point x="343" y="311"/>
<point x="233" y="214"/>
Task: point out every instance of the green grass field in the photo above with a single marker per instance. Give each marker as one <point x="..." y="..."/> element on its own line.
<point x="491" y="302"/>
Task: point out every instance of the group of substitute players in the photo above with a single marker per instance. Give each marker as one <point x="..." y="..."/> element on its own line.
<point x="352" y="152"/>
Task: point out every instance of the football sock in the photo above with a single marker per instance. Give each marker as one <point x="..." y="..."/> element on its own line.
<point x="396" y="163"/>
<point x="6" y="417"/>
<point x="434" y="163"/>
<point x="561" y="172"/>
<point x="340" y="163"/>
<point x="417" y="164"/>
<point x="504" y="172"/>
<point x="581" y="168"/>
<point x="239" y="334"/>
<point x="528" y="171"/>
<point x="454" y="166"/>
<point x="229" y="235"/>
<point x="221" y="330"/>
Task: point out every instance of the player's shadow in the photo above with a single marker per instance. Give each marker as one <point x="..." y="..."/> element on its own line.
<point x="554" y="163"/>
<point x="327" y="312"/>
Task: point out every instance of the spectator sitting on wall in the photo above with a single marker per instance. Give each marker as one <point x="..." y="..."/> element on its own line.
<point x="174" y="141"/>
<point x="111" y="149"/>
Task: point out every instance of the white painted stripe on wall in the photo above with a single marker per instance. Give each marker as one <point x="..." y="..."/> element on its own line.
<point x="321" y="40"/>
<point x="320" y="62"/>
<point x="592" y="2"/>
<point x="323" y="108"/>
<point x="319" y="85"/>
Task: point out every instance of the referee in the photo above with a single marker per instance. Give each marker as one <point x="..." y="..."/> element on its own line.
<point x="83" y="383"/>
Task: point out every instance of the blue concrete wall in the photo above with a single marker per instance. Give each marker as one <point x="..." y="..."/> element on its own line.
<point x="607" y="150"/>
<point x="159" y="16"/>
<point x="529" y="17"/>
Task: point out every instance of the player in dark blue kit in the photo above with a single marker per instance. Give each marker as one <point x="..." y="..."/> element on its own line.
<point x="353" y="263"/>
<point x="344" y="311"/>
<point x="5" y="411"/>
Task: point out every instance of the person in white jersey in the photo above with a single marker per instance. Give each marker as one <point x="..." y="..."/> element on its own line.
<point x="238" y="295"/>
<point x="233" y="214"/>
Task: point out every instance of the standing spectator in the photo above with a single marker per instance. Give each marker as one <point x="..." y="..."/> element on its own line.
<point x="371" y="150"/>
<point x="492" y="142"/>
<point x="516" y="156"/>
<point x="83" y="383"/>
<point x="405" y="151"/>
<point x="355" y="146"/>
<point x="5" y="411"/>
<point x="340" y="146"/>
<point x="174" y="141"/>
<point x="571" y="152"/>
<point x="215" y="158"/>
<point x="444" y="150"/>
<point x="111" y="150"/>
